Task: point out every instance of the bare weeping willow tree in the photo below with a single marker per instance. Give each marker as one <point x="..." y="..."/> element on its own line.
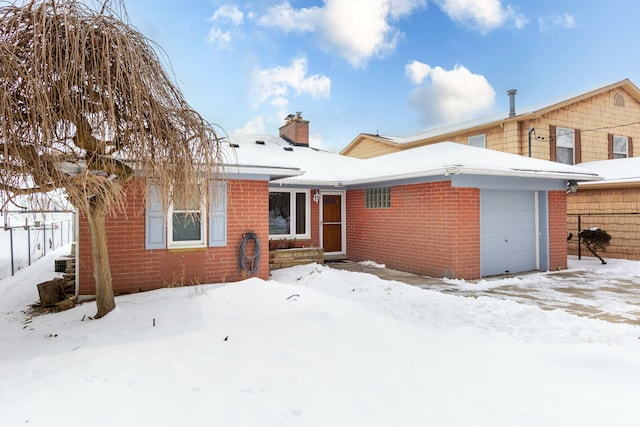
<point x="86" y="106"/>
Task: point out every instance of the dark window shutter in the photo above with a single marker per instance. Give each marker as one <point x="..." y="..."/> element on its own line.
<point x="630" y="147"/>
<point x="552" y="143"/>
<point x="577" y="146"/>
<point x="610" y="145"/>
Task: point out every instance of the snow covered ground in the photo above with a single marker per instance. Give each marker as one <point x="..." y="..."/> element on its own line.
<point x="314" y="346"/>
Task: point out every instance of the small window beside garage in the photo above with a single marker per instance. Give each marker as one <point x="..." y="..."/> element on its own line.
<point x="379" y="197"/>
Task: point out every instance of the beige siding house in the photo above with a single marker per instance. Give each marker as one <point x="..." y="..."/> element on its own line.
<point x="597" y="125"/>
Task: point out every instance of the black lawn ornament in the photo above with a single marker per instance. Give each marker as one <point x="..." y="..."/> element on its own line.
<point x="595" y="239"/>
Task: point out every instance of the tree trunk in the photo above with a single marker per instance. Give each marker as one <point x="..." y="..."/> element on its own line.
<point x="101" y="269"/>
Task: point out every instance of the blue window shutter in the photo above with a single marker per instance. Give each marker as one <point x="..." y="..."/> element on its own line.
<point x="217" y="213"/>
<point x="155" y="221"/>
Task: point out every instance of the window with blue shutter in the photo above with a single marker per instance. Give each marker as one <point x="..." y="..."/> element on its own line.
<point x="217" y="213"/>
<point x="155" y="228"/>
<point x="156" y="218"/>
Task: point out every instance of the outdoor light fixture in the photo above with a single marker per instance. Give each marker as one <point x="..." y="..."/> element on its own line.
<point x="316" y="197"/>
<point x="573" y="186"/>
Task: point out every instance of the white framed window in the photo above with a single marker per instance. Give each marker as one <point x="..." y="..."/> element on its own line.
<point x="187" y="225"/>
<point x="620" y="147"/>
<point x="479" y="141"/>
<point x="565" y="145"/>
<point x="289" y="214"/>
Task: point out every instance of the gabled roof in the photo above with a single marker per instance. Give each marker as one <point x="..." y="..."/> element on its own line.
<point x="306" y="166"/>
<point x="478" y="125"/>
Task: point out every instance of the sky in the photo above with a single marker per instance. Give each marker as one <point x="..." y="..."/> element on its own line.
<point x="317" y="346"/>
<point x="392" y="67"/>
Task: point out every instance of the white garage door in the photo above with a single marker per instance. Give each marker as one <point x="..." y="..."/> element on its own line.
<point x="507" y="232"/>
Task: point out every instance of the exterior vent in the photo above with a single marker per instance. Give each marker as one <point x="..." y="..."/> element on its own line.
<point x="512" y="102"/>
<point x="259" y="142"/>
<point x="288" y="148"/>
<point x="234" y="145"/>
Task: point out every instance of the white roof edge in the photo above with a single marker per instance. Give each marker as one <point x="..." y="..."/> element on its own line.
<point x="473" y="171"/>
<point x="309" y="183"/>
<point x="447" y="171"/>
<point x="262" y="170"/>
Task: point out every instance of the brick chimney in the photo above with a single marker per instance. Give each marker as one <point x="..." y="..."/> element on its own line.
<point x="296" y="129"/>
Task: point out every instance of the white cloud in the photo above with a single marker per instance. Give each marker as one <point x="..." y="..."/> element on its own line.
<point x="417" y="71"/>
<point x="400" y="8"/>
<point x="356" y="30"/>
<point x="255" y="126"/>
<point x="228" y="13"/>
<point x="564" y="20"/>
<point x="288" y="19"/>
<point x="274" y="85"/>
<point x="482" y="15"/>
<point x="451" y="96"/>
<point x="218" y="38"/>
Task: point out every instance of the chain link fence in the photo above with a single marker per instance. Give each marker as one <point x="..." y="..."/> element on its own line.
<point x="22" y="245"/>
<point x="624" y="229"/>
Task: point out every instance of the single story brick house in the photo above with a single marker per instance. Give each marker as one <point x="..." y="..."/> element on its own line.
<point x="440" y="210"/>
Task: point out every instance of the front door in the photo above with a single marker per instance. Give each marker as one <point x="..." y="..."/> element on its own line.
<point x="331" y="223"/>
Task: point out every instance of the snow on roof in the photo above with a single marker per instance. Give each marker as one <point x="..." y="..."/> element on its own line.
<point x="323" y="168"/>
<point x="616" y="171"/>
<point x="315" y="165"/>
<point x="454" y="158"/>
<point x="444" y="130"/>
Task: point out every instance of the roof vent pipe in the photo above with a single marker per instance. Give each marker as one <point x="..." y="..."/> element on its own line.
<point x="512" y="102"/>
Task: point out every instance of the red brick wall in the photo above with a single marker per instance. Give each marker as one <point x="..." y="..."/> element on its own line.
<point x="134" y="268"/>
<point x="557" y="230"/>
<point x="430" y="229"/>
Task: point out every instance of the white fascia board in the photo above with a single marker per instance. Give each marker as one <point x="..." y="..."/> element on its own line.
<point x="453" y="170"/>
<point x="261" y="170"/>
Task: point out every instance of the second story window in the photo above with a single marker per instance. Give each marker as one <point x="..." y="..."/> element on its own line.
<point x="618" y="147"/>
<point x="565" y="145"/>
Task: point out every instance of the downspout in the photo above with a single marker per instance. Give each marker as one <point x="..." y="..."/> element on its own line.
<point x="531" y="130"/>
<point x="76" y="232"/>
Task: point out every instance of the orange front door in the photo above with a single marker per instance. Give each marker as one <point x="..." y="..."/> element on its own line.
<point x="332" y="222"/>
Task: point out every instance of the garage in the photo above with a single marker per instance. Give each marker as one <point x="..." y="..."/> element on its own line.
<point x="509" y="228"/>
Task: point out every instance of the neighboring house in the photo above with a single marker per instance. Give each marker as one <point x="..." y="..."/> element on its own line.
<point x="440" y="210"/>
<point x="612" y="204"/>
<point x="597" y="125"/>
